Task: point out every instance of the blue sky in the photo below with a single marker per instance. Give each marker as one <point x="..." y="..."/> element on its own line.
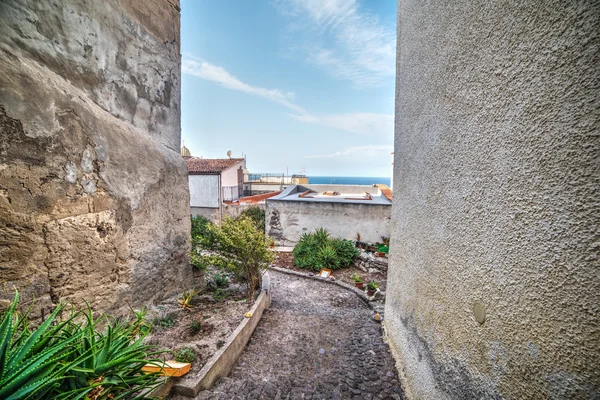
<point x="290" y="84"/>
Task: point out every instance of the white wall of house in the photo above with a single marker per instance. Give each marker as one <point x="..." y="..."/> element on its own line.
<point x="229" y="177"/>
<point x="204" y="190"/>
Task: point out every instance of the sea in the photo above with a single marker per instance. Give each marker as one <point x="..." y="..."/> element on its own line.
<point x="348" y="180"/>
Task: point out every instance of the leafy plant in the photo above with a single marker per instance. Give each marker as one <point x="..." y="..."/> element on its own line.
<point x="327" y="257"/>
<point x="144" y="327"/>
<point x="164" y="321"/>
<point x="257" y="215"/>
<point x="220" y="280"/>
<point x="372" y="285"/>
<point x="239" y="248"/>
<point x="199" y="230"/>
<point x="319" y="250"/>
<point x="356" y="278"/>
<point x="196" y="326"/>
<point x="220" y="294"/>
<point x="184" y="355"/>
<point x="185" y="301"/>
<point x="383" y="249"/>
<point x="67" y="360"/>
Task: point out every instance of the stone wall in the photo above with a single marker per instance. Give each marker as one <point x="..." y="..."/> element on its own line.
<point x="285" y="221"/>
<point x="494" y="280"/>
<point x="93" y="192"/>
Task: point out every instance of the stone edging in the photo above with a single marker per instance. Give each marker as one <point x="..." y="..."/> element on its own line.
<point x="361" y="295"/>
<point x="221" y="363"/>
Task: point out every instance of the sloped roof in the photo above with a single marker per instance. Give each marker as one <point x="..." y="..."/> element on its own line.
<point x="207" y="165"/>
<point x="387" y="192"/>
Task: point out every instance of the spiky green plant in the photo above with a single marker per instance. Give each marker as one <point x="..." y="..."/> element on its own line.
<point x="318" y="250"/>
<point x="32" y="362"/>
<point x="69" y="360"/>
<point x="327" y="257"/>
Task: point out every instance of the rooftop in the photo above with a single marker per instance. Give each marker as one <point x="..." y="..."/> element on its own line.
<point x="257" y="199"/>
<point x="354" y="194"/>
<point x="210" y="165"/>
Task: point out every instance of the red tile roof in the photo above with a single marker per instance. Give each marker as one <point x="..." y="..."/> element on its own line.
<point x="253" y="199"/>
<point x="387" y="192"/>
<point x="206" y="165"/>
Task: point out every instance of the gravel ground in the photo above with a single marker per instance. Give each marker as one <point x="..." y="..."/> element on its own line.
<point x="317" y="341"/>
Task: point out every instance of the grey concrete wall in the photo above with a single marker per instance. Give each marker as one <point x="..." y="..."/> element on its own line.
<point x="212" y="214"/>
<point x="494" y="282"/>
<point x="93" y="192"/>
<point x="285" y="221"/>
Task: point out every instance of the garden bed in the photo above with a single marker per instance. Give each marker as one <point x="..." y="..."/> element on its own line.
<point x="286" y="260"/>
<point x="214" y="315"/>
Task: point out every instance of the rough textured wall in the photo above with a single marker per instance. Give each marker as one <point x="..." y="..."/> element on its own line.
<point x="93" y="192"/>
<point x="496" y="214"/>
<point x="286" y="221"/>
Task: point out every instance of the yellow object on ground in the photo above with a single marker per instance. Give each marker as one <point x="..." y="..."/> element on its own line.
<point x="169" y="368"/>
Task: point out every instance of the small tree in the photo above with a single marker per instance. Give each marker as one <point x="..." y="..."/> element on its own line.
<point x="238" y="246"/>
<point x="256" y="214"/>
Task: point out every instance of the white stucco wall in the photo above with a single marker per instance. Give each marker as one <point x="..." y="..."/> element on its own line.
<point x="229" y="176"/>
<point x="493" y="287"/>
<point x="287" y="220"/>
<point x="204" y="190"/>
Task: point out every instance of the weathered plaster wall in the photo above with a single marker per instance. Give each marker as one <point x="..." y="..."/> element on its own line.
<point x="286" y="221"/>
<point x="93" y="192"/>
<point x="497" y="200"/>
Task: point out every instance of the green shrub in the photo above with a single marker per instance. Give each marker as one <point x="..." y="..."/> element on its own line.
<point x="164" y="321"/>
<point x="201" y="234"/>
<point x="319" y="250"/>
<point x="68" y="360"/>
<point x="220" y="294"/>
<point x="196" y="326"/>
<point x="257" y="215"/>
<point x="184" y="355"/>
<point x="220" y="280"/>
<point x="239" y="248"/>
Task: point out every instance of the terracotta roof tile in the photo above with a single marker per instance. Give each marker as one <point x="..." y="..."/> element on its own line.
<point x="207" y="165"/>
<point x="387" y="192"/>
<point x="253" y="199"/>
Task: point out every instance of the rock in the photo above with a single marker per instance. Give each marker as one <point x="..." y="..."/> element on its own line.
<point x="92" y="183"/>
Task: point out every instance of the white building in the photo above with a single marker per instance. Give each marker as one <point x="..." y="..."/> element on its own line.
<point x="212" y="182"/>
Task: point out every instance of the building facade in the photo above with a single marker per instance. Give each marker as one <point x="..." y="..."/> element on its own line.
<point x="494" y="279"/>
<point x="213" y="182"/>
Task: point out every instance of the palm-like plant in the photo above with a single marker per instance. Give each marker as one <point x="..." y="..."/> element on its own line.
<point x="32" y="362"/>
<point x="68" y="360"/>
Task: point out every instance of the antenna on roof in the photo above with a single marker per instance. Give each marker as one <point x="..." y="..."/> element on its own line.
<point x="229" y="153"/>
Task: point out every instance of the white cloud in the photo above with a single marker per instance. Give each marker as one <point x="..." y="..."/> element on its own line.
<point x="362" y="123"/>
<point x="362" y="151"/>
<point x="214" y="73"/>
<point x="363" y="50"/>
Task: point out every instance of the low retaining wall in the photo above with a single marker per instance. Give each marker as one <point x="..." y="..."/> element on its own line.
<point x="367" y="262"/>
<point x="221" y="363"/>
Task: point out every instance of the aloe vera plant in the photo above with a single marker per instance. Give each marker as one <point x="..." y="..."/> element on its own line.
<point x="70" y="360"/>
<point x="32" y="362"/>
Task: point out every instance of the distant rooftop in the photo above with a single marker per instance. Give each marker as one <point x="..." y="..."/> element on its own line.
<point x="257" y="199"/>
<point x="207" y="165"/>
<point x="355" y="194"/>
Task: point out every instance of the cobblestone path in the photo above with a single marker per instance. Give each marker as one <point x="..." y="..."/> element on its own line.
<point x="317" y="341"/>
